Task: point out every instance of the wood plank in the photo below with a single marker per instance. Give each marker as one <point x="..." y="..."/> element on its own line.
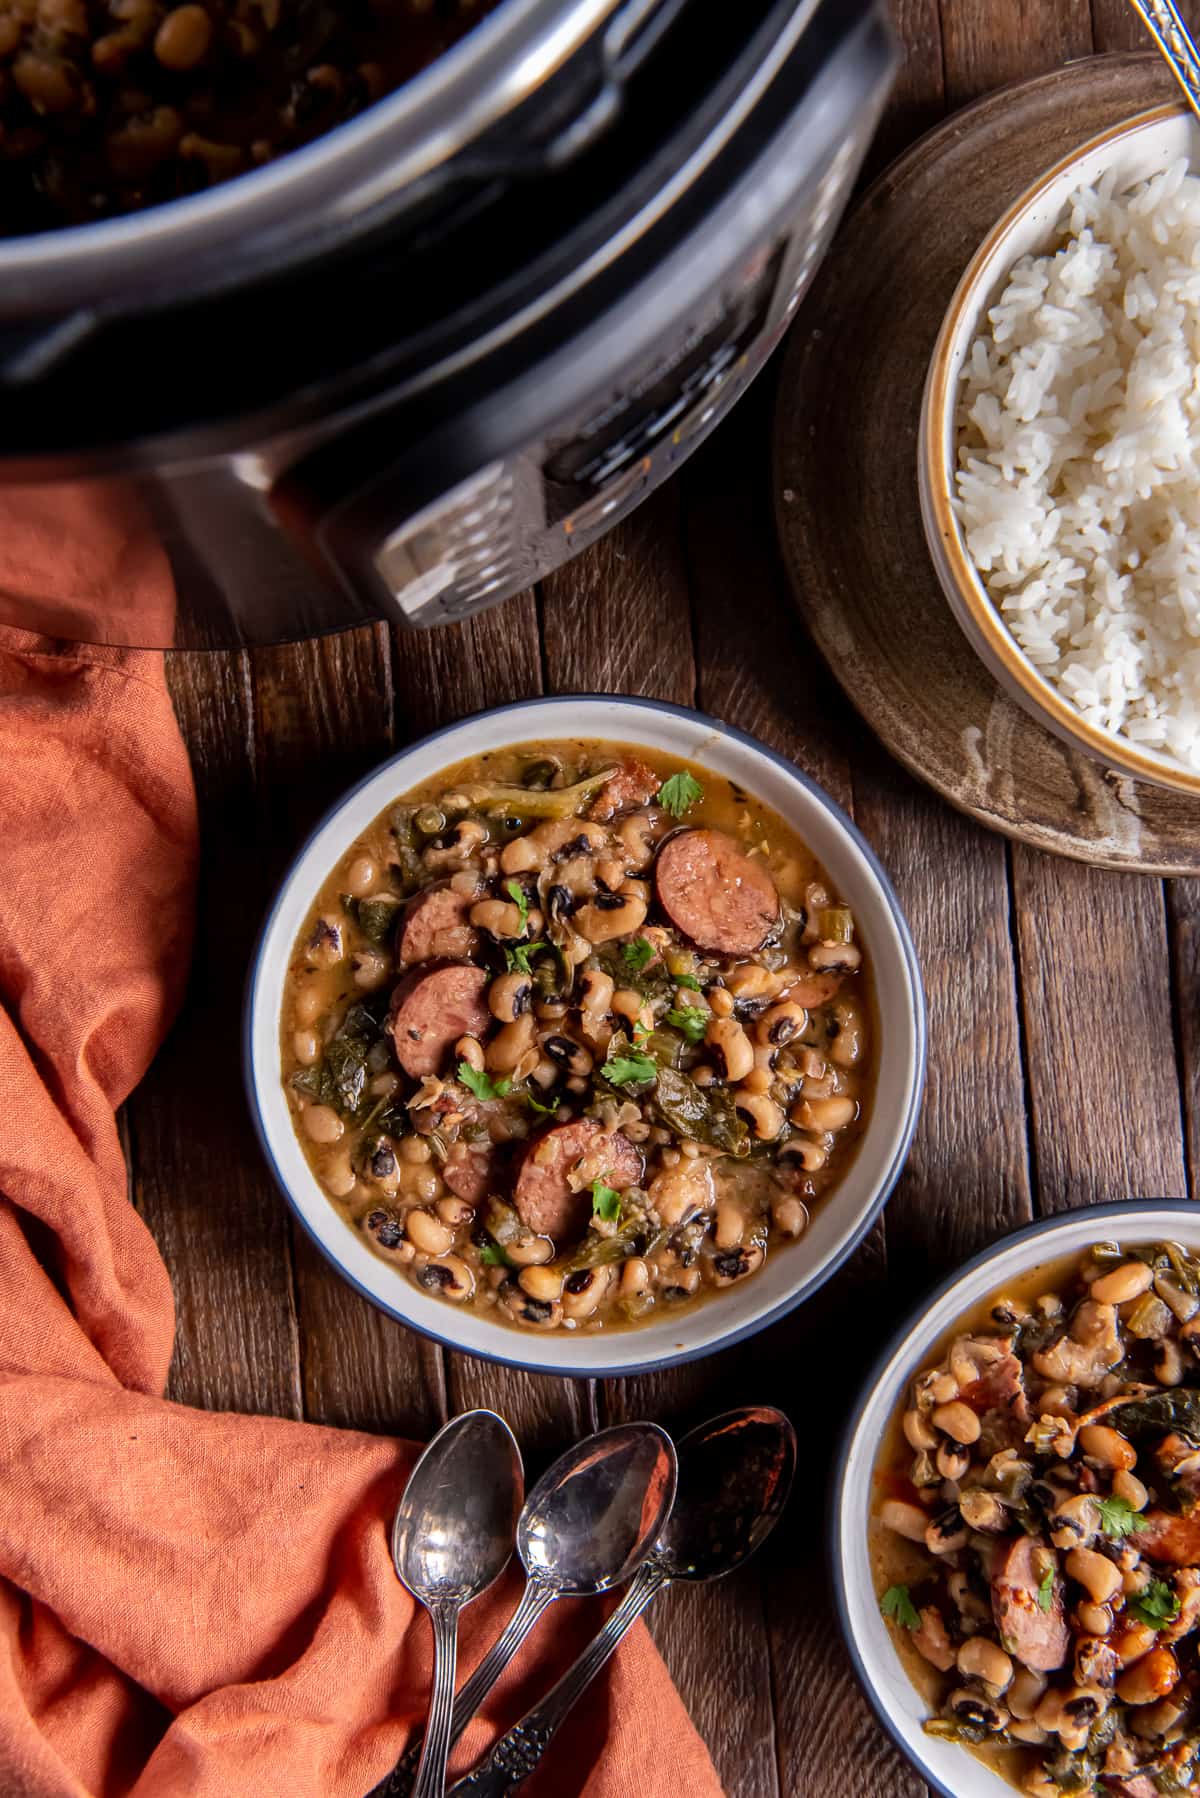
<point x="324" y="717"/>
<point x="197" y="1175"/>
<point x="985" y="46"/>
<point x="917" y="99"/>
<point x="440" y="676"/>
<point x="1115" y="25"/>
<point x="1096" y="993"/>
<point x="1183" y="923"/>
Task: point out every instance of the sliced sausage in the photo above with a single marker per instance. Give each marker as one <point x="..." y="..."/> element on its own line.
<point x="632" y="785"/>
<point x="1173" y="1540"/>
<point x="467" y="1171"/>
<point x="1038" y="1638"/>
<point x="543" y="1196"/>
<point x="721" y="899"/>
<point x="1136" y="1785"/>
<point x="1001" y="1387"/>
<point x="436" y="926"/>
<point x="431" y="1008"/>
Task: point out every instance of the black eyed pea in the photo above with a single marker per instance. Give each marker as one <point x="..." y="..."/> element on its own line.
<point x="325" y="945"/>
<point x="826" y="1115"/>
<point x="571" y="1056"/>
<point x="510" y="996"/>
<point x="765" y="1116"/>
<point x="1033" y="1736"/>
<point x="1127" y="1486"/>
<point x="499" y="918"/>
<point x="370" y="969"/>
<point x="1095" y="1573"/>
<point x="730" y="1225"/>
<point x="1096" y="1619"/>
<point x="1168" y="1363"/>
<point x="1025" y="1693"/>
<point x="909" y="1521"/>
<point x="790" y="1216"/>
<point x="1106" y="1447"/>
<point x="470" y="1050"/>
<point x="306" y="1047"/>
<point x="953" y="1460"/>
<point x="980" y="1659"/>
<point x="1074" y="1522"/>
<point x="919" y="1432"/>
<point x="322" y="1124"/>
<point x="596" y="992"/>
<point x="811" y="1155"/>
<point x="947" y="1533"/>
<point x="534" y="1251"/>
<point x="634" y="836"/>
<point x="1080" y="1708"/>
<point x="522" y="856"/>
<point x="415" y="1150"/>
<point x="635" y="1277"/>
<point x="454" y="1212"/>
<point x="1126" y="1282"/>
<point x="309" y="1005"/>
<point x="361" y="876"/>
<point x="978" y="1712"/>
<point x="834" y="958"/>
<point x="541" y="1283"/>
<point x="538" y="1314"/>
<point x="338" y="1177"/>
<point x="630" y="1004"/>
<point x="428" y="1233"/>
<point x="1159" y="1719"/>
<point x="610" y="915"/>
<point x="509" y="1044"/>
<point x="735" y="1264"/>
<point x="720" y="1001"/>
<point x="450" y="1276"/>
<point x="957" y="1421"/>
<point x="583" y="1290"/>
<point x="730" y="1047"/>
<point x="1150" y="1678"/>
<point x="983" y="1511"/>
<point x="781" y="1023"/>
<point x="753" y="981"/>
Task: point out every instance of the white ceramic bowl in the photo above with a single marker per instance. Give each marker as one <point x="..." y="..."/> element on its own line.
<point x="951" y="1769"/>
<point x="839" y="1223"/>
<point x="1141" y="147"/>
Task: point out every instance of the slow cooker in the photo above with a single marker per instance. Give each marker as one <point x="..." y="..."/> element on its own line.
<point x="412" y="367"/>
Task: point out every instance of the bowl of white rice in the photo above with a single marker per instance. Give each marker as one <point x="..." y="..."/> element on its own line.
<point x="1059" y="460"/>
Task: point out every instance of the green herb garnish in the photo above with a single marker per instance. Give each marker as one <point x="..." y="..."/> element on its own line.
<point x="680" y="793"/>
<point x="1156" y="1605"/>
<point x="516" y="893"/>
<point x="897" y="1603"/>
<point x="606" y="1202"/>
<point x="1117" y="1517"/>
<point x="688" y="980"/>
<point x="536" y="1104"/>
<point x="1045" y="1591"/>
<point x="635" y="955"/>
<point x="492" y="1255"/>
<point x="481" y="1084"/>
<point x="691" y="1020"/>
<point x="517" y="960"/>
<point x="629" y="1070"/>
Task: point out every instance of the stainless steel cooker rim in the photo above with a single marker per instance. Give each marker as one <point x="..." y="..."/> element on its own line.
<point x="327" y="185"/>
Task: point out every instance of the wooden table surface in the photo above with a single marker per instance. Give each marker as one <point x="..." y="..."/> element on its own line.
<point x="1064" y="1020"/>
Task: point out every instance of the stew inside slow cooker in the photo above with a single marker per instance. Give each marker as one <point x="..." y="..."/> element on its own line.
<point x="109" y="106"/>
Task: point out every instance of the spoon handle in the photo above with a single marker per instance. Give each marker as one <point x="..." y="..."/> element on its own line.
<point x="516" y="1755"/>
<point x="1162" y="20"/>
<point x="536" y="1596"/>
<point x="435" y="1751"/>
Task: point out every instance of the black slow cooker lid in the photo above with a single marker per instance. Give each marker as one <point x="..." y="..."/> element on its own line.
<point x="512" y="219"/>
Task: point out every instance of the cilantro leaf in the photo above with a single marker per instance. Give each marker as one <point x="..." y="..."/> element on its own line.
<point x="536" y="1104"/>
<point x="897" y="1603"/>
<point x="606" y="1202"/>
<point x="680" y="793"/>
<point x="635" y="955"/>
<point x="492" y="1255"/>
<point x="629" y="1070"/>
<point x="1155" y="1605"/>
<point x="688" y="980"/>
<point x="517" y="960"/>
<point x="476" y="1081"/>
<point x="1117" y="1516"/>
<point x="516" y="893"/>
<point x="691" y="1020"/>
<point x="1045" y="1591"/>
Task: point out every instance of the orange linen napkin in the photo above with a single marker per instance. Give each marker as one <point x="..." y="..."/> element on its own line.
<point x="190" y="1603"/>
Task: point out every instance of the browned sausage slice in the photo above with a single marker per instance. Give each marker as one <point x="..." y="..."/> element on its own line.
<point x="467" y="1171"/>
<point x="1170" y="1539"/>
<point x="436" y="927"/>
<point x="1001" y="1387"/>
<point x="1038" y="1638"/>
<point x="542" y="1194"/>
<point x="632" y="785"/>
<point x="721" y="899"/>
<point x="431" y="1008"/>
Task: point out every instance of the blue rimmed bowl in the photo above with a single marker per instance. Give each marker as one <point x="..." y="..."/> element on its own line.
<point x="948" y="1767"/>
<point x="839" y="1223"/>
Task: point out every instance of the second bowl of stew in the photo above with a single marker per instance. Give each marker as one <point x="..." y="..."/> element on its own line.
<point x="586" y="1035"/>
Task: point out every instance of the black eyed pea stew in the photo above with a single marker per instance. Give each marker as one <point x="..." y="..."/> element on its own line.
<point x="574" y="1033"/>
<point x="1036" y="1528"/>
<point x="108" y="106"/>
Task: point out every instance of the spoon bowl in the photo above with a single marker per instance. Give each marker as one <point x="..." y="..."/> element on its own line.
<point x="735" y="1473"/>
<point x="593" y="1517"/>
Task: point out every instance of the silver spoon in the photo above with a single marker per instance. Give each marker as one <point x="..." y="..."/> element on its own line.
<point x="451" y="1539"/>
<point x="587" y="1525"/>
<point x="735" y="1474"/>
<point x="1163" y="21"/>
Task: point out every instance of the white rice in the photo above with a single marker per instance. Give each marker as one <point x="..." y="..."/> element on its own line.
<point x="1078" y="479"/>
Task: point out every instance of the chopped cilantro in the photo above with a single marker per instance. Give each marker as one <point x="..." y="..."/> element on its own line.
<point x="492" y="1255"/>
<point x="1155" y="1605"/>
<point x="606" y="1202"/>
<point x="481" y="1084"/>
<point x="516" y="893"/>
<point x="688" y="980"/>
<point x="897" y="1603"/>
<point x="629" y="1070"/>
<point x="536" y="1104"/>
<point x="517" y="960"/>
<point x="1117" y="1516"/>
<point x="680" y="793"/>
<point x="691" y="1020"/>
<point x="635" y="955"/>
<point x="1045" y="1591"/>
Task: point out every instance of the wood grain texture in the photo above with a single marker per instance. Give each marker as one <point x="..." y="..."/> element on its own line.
<point x="986" y="46"/>
<point x="1116" y="26"/>
<point x="1183" y="925"/>
<point x="197" y="1174"/>
<point x="1098" y="1032"/>
<point x="917" y="99"/>
<point x="848" y="509"/>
